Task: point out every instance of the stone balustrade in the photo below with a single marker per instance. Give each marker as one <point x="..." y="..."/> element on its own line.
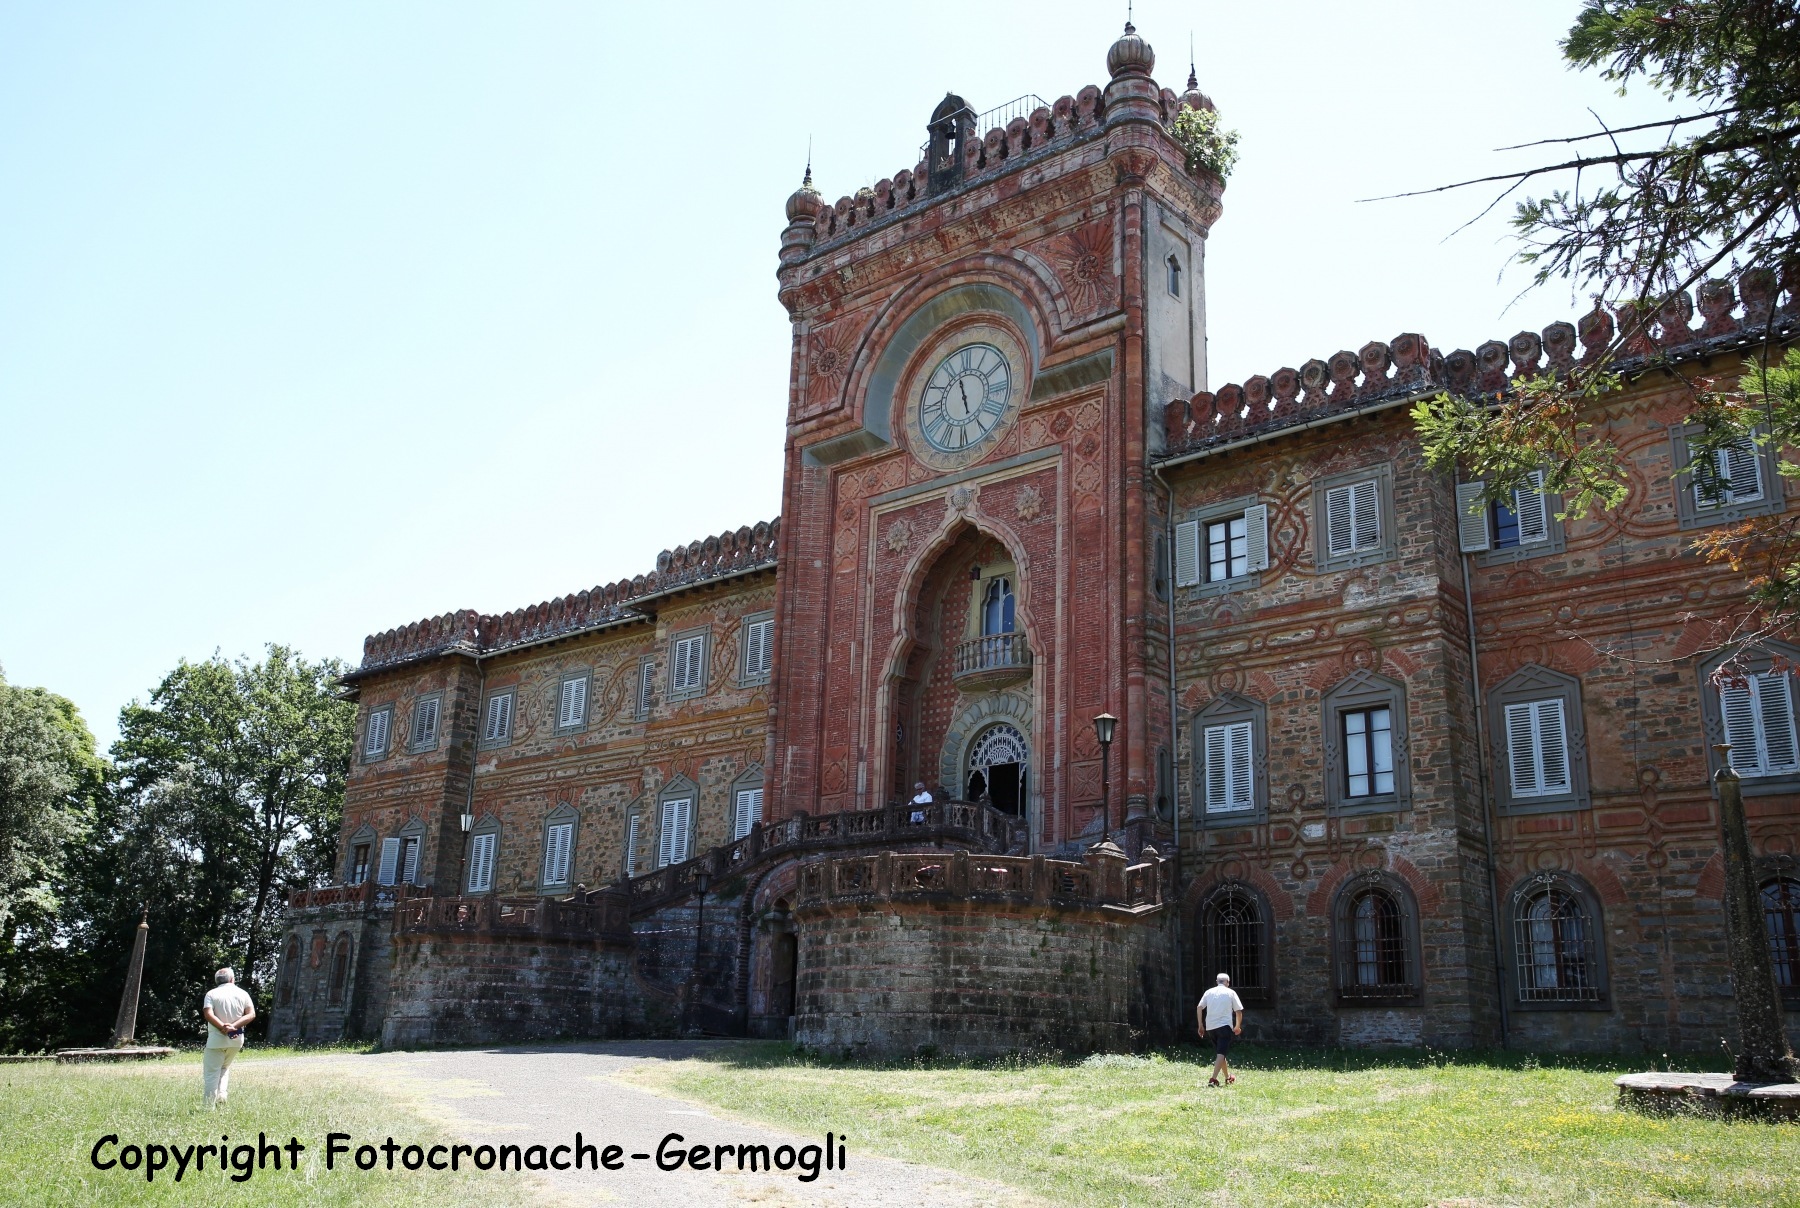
<point x="1731" y="314"/>
<point x="1100" y="880"/>
<point x="595" y="916"/>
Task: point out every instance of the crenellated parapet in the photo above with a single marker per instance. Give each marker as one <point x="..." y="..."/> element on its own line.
<point x="735" y="552"/>
<point x="1729" y="315"/>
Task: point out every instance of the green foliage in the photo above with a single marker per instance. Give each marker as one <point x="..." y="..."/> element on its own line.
<point x="1209" y="146"/>
<point x="49" y="779"/>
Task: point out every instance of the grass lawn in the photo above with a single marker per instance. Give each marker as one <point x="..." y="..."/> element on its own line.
<point x="51" y="1116"/>
<point x="1298" y="1128"/>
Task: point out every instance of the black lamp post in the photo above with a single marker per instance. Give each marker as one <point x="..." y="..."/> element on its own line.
<point x="462" y="874"/>
<point x="1103" y="730"/>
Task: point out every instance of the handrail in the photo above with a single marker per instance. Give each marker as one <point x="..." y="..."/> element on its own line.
<point x="992" y="652"/>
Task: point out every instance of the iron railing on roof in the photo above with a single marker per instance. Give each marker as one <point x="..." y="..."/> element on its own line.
<point x="999" y="116"/>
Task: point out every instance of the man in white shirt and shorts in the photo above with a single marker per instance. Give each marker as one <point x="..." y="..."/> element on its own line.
<point x="228" y="1012"/>
<point x="1221" y="1017"/>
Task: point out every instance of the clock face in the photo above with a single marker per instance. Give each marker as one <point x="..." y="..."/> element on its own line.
<point x="965" y="398"/>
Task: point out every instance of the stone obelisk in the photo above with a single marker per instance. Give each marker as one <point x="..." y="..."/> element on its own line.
<point x="1763" y="1052"/>
<point x="125" y="1029"/>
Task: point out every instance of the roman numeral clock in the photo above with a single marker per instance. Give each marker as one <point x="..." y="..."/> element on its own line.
<point x="965" y="395"/>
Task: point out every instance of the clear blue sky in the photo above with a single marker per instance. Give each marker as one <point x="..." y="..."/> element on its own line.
<point x="318" y="319"/>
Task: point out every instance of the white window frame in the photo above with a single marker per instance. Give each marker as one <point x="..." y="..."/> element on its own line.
<point x="1192" y="563"/>
<point x="379" y="722"/>
<point x="500" y="707"/>
<point x="572" y="700"/>
<point x="1230" y="768"/>
<point x="1532" y="722"/>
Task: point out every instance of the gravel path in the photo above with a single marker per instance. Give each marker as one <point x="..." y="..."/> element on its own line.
<point x="530" y="1095"/>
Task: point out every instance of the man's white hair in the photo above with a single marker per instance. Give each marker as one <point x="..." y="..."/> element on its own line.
<point x="1224" y="979"/>
<point x="224" y="975"/>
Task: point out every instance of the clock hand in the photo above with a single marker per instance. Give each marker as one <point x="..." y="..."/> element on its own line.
<point x="962" y="388"/>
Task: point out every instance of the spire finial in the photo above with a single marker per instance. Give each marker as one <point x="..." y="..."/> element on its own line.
<point x="1193" y="77"/>
<point x="1129" y="27"/>
<point x="807" y="182"/>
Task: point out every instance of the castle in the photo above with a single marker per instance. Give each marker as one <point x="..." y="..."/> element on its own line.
<point x="1197" y="680"/>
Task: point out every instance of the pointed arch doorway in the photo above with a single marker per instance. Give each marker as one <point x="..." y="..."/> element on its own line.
<point x="998" y="768"/>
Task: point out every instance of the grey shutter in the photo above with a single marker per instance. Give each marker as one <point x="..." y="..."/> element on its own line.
<point x="410" y="873"/>
<point x="1737" y="704"/>
<point x="481" y="863"/>
<point x="1742" y="469"/>
<point x="631" y="842"/>
<point x="1340" y="521"/>
<point x="425" y="718"/>
<point x="671" y="846"/>
<point x="390" y="862"/>
<point x="499" y="718"/>
<point x="1256" y="537"/>
<point x="1471" y="525"/>
<point x="1367" y="500"/>
<point x="573" y="708"/>
<point x="646" y="687"/>
<point x="1218" y="772"/>
<point x="1241" y="774"/>
<point x="1521" y="750"/>
<point x="748" y="812"/>
<point x="1187" y="553"/>
<point x="1528" y="504"/>
<point x="1775" y="707"/>
<point x="376" y="739"/>
<point x="556" y="853"/>
<point x="757" y="653"/>
<point x="1553" y="747"/>
<point x="1229" y="785"/>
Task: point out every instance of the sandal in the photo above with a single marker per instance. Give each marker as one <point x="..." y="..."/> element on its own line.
<point x="1212" y="1082"/>
<point x="1229" y="1079"/>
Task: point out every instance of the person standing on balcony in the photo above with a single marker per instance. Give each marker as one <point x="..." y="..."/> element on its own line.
<point x="1221" y="1018"/>
<point x="921" y="799"/>
<point x="228" y="1012"/>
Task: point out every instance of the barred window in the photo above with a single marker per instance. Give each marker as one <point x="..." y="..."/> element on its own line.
<point x="1781" y="919"/>
<point x="1377" y="941"/>
<point x="1234" y="940"/>
<point x="1555" y="958"/>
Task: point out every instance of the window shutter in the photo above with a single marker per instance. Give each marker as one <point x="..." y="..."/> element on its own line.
<point x="748" y="813"/>
<point x="556" y="853"/>
<point x="1521" y="756"/>
<point x="1553" y="747"/>
<point x="686" y="673"/>
<point x="671" y="846"/>
<point x="683" y="831"/>
<point x="481" y="864"/>
<point x="376" y="741"/>
<point x="499" y="719"/>
<point x="1365" y="498"/>
<point x="646" y="688"/>
<point x="1240" y="767"/>
<point x="631" y="842"/>
<point x="1256" y="537"/>
<point x="758" y="655"/>
<point x="425" y="723"/>
<point x="1471" y="525"/>
<point x="1187" y="553"/>
<point x="410" y="874"/>
<point x="1737" y="704"/>
<point x="1229" y="782"/>
<point x="573" y="710"/>
<point x="1742" y="469"/>
<point x="1528" y="504"/>
<point x="390" y="862"/>
<point x="1340" y="523"/>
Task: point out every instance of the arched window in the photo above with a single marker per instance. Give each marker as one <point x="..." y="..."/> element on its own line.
<point x="1377" y="940"/>
<point x="1781" y="918"/>
<point x="997" y="607"/>
<point x="1234" y="939"/>
<point x="1174" y="276"/>
<point x="1555" y="934"/>
<point x="340" y="970"/>
<point x="290" y="972"/>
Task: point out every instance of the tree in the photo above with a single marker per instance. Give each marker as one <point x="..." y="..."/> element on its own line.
<point x="1661" y="207"/>
<point x="49" y="776"/>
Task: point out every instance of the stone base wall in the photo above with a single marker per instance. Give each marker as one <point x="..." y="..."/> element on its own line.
<point x="485" y="990"/>
<point x="967" y="978"/>
<point x="307" y="1008"/>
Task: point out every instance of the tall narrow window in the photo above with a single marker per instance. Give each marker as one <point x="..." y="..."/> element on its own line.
<point x="1781" y="919"/>
<point x="1368" y="752"/>
<point x="481" y="862"/>
<point x="1174" y="277"/>
<point x="1732" y="475"/>
<point x="1553" y="945"/>
<point x="1234" y="939"/>
<point x="390" y="862"/>
<point x="359" y="864"/>
<point x="997" y="613"/>
<point x="425" y="723"/>
<point x="375" y="737"/>
<point x="672" y="839"/>
<point x="1227" y="549"/>
<point x="1228" y="768"/>
<point x="747" y="812"/>
<point x="759" y="649"/>
<point x="340" y="971"/>
<point x="571" y="708"/>
<point x="290" y="972"/>
<point x="1353" y="517"/>
<point x="496" y="725"/>
<point x="1379" y="939"/>
<point x="1758" y="711"/>
<point x="1520" y="521"/>
<point x="646" y="687"/>
<point x="558" y="848"/>
<point x="631" y="846"/>
<point x="687" y="665"/>
<point x="409" y="860"/>
<point x="1537" y="748"/>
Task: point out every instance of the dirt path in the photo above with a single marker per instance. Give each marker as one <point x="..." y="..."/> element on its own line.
<point x="544" y="1095"/>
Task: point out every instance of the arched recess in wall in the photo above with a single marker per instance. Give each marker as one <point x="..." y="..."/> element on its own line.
<point x="973" y="721"/>
<point x="340" y="970"/>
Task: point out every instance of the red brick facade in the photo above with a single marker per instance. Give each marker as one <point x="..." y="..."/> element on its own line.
<point x="1069" y="494"/>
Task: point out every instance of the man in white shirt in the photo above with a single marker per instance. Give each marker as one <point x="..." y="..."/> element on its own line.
<point x="921" y="798"/>
<point x="228" y="1012"/>
<point x="1221" y="1017"/>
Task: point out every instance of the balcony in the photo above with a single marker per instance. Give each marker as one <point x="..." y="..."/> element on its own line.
<point x="990" y="661"/>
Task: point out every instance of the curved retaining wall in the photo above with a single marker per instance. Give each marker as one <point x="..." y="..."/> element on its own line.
<point x="982" y="955"/>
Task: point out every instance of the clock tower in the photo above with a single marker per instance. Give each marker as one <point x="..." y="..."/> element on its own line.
<point x="971" y="563"/>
